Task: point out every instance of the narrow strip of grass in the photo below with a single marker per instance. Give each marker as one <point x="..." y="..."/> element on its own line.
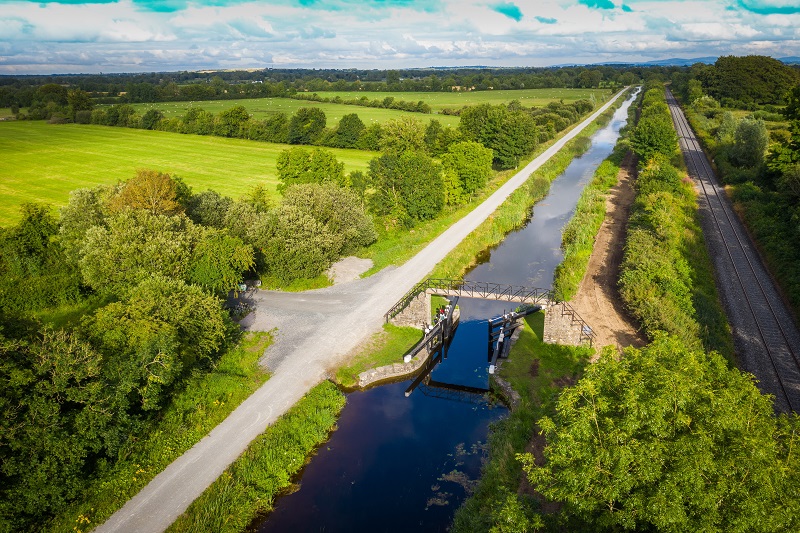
<point x="250" y="485"/>
<point x="537" y="371"/>
<point x="383" y="348"/>
<point x="207" y="400"/>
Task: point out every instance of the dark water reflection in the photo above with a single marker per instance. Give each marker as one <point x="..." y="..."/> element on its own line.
<point x="402" y="464"/>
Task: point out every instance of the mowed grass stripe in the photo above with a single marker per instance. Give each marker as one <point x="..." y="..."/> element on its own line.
<point x="457" y="99"/>
<point x="263" y="108"/>
<point x="42" y="162"/>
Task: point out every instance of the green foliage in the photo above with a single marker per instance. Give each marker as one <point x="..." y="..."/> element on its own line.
<point x="654" y="134"/>
<point x="229" y="122"/>
<point x="298" y="165"/>
<point x="471" y="163"/>
<point x="749" y="143"/>
<point x="134" y="246"/>
<point x="749" y="79"/>
<point x="34" y="271"/>
<point x="511" y="135"/>
<point x="209" y="208"/>
<point x="206" y="400"/>
<point x="667" y="438"/>
<point x="252" y="483"/>
<point x="219" y="261"/>
<point x="338" y="209"/>
<point x="402" y="135"/>
<point x="306" y="125"/>
<point x="349" y="131"/>
<point x="160" y="330"/>
<point x="54" y="415"/>
<point x="151" y="119"/>
<point x="299" y="246"/>
<point x="408" y="187"/>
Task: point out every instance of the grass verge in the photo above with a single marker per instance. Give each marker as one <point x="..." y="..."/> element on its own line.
<point x="265" y="469"/>
<point x="537" y="371"/>
<point x="383" y="348"/>
<point x="205" y="402"/>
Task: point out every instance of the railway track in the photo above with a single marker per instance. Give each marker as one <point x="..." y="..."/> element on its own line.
<point x="766" y="338"/>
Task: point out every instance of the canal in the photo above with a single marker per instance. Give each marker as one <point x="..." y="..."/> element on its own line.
<point x="400" y="463"/>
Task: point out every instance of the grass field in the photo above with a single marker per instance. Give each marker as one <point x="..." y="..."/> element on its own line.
<point x="261" y="108"/>
<point x="439" y="101"/>
<point x="42" y="162"/>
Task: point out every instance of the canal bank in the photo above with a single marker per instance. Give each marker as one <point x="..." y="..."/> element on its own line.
<point x="416" y="459"/>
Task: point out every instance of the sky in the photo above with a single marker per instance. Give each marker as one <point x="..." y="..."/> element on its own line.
<point x="76" y="36"/>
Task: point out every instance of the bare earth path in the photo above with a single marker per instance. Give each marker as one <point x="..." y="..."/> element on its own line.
<point x="341" y="316"/>
<point x="597" y="300"/>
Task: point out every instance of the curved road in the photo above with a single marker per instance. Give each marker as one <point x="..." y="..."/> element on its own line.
<point x="298" y="365"/>
<point x="766" y="338"/>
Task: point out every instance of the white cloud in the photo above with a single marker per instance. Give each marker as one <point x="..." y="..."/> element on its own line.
<point x="122" y="36"/>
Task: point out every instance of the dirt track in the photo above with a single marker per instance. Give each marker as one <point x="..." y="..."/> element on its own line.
<point x="597" y="300"/>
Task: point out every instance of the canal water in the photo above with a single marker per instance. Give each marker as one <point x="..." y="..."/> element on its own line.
<point x="400" y="463"/>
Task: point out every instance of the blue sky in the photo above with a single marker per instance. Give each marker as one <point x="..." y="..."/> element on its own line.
<point x="164" y="35"/>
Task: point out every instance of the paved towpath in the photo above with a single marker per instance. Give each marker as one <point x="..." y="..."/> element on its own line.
<point x="346" y="316"/>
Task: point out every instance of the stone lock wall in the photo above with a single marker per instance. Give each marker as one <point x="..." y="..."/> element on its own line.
<point x="416" y="314"/>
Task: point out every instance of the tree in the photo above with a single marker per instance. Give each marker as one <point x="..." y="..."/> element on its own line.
<point x="339" y="209"/>
<point x="229" y="122"/>
<point x="402" y="135"/>
<point x="151" y="119"/>
<point x="407" y="187"/>
<point x="84" y="210"/>
<point x="298" y="165"/>
<point x="219" y="261"/>
<point x="749" y="143"/>
<point x="79" y="100"/>
<point x="160" y="329"/>
<point x="471" y="162"/>
<point x="349" y="131"/>
<point x="654" y="134"/>
<point x="670" y="439"/>
<point x="134" y="246"/>
<point x="54" y="416"/>
<point x="306" y="125"/>
<point x="298" y="245"/>
<point x="209" y="208"/>
<point x="150" y="190"/>
<point x="509" y="134"/>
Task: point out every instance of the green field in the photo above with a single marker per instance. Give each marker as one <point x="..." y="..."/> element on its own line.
<point x="42" y="162"/>
<point x="439" y="101"/>
<point x="261" y="108"/>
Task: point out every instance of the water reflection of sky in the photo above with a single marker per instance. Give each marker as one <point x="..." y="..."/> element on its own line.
<point x="397" y="464"/>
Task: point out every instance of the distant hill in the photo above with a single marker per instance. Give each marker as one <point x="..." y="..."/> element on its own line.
<point x="793" y="60"/>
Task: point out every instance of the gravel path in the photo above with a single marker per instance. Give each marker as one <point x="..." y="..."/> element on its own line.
<point x="316" y="330"/>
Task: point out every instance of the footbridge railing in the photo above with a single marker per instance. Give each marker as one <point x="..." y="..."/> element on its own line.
<point x="473" y="289"/>
<point x="491" y="291"/>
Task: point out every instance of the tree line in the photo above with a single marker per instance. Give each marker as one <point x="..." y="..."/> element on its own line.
<point x="24" y="91"/>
